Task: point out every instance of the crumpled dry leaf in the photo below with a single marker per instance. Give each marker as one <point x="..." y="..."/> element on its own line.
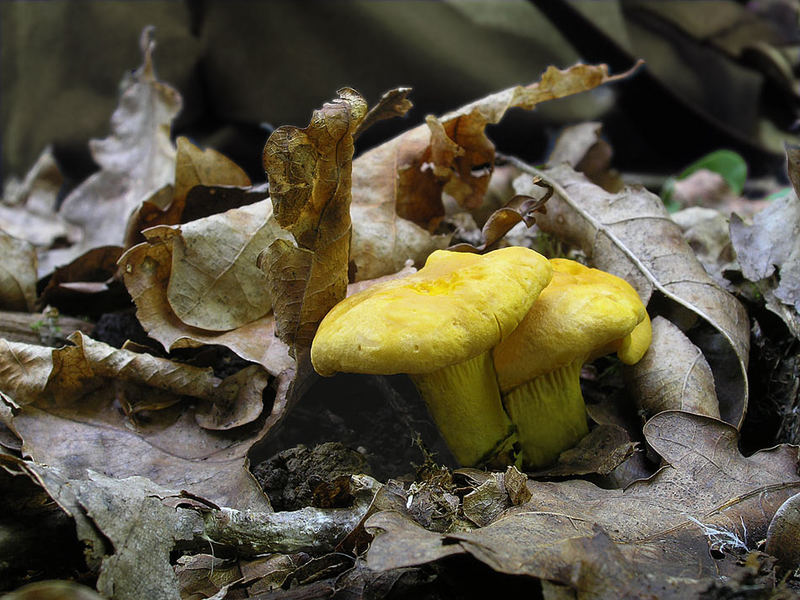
<point x="143" y="530"/>
<point x="672" y="375"/>
<point x="493" y="495"/>
<point x="631" y="235"/>
<point x="663" y="526"/>
<point x="193" y="167"/>
<point x="168" y="447"/>
<point x="131" y="526"/>
<point x="148" y="275"/>
<point x="137" y="159"/>
<point x="604" y="449"/>
<point x="398" y="186"/>
<point x="30" y="374"/>
<point x="393" y="103"/>
<point x="17" y="274"/>
<point x="309" y="173"/>
<point x="768" y="251"/>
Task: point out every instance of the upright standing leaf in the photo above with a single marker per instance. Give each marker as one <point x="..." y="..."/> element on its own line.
<point x="310" y="176"/>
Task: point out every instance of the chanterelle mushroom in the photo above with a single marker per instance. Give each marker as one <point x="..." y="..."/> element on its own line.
<point x="583" y="314"/>
<point x="439" y="326"/>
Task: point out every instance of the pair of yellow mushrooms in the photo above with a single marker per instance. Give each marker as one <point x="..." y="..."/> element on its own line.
<point x="494" y="343"/>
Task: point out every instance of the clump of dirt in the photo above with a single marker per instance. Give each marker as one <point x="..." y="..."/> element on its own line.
<point x="115" y="328"/>
<point x="302" y="476"/>
<point x="382" y="417"/>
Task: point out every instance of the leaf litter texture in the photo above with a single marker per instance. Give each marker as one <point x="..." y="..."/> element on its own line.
<point x="662" y="526"/>
<point x="630" y="234"/>
<point x="454" y="184"/>
<point x="60" y="405"/>
<point x="193" y="167"/>
<point x="398" y="186"/>
<point x="238" y="236"/>
<point x="131" y="527"/>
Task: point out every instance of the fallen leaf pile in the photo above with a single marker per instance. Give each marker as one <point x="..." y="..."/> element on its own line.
<point x="136" y="455"/>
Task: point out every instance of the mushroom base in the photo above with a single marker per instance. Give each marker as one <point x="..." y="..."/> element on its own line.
<point x="464" y="401"/>
<point x="549" y="413"/>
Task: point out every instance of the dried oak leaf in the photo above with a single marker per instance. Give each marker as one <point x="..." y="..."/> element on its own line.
<point x="193" y="167"/>
<point x="631" y="235"/>
<point x="309" y="172"/>
<point x="706" y="497"/>
<point x="90" y="432"/>
<point x="137" y="159"/>
<point x="653" y="379"/>
<point x="605" y="448"/>
<point x="17" y="274"/>
<point x="398" y="186"/>
<point x="393" y="103"/>
<point x="768" y="251"/>
<point x="143" y="530"/>
<point x="206" y="272"/>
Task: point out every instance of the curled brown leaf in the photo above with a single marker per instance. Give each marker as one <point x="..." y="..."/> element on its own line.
<point x="662" y="526"/>
<point x="673" y="375"/>
<point x="309" y="172"/>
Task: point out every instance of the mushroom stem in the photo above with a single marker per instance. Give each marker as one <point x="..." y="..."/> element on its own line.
<point x="464" y="401"/>
<point x="549" y="413"/>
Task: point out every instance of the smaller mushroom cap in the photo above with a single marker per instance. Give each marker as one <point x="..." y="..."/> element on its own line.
<point x="456" y="307"/>
<point x="584" y="313"/>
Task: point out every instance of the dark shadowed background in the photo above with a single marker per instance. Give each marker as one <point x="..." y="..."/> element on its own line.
<point x="718" y="74"/>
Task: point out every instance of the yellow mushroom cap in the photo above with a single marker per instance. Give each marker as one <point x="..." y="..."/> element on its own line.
<point x="584" y="313"/>
<point x="454" y="308"/>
